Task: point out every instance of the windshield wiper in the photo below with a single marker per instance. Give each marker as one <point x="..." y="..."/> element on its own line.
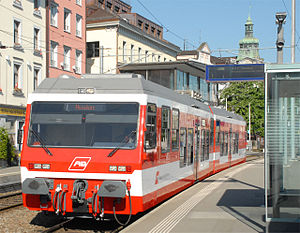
<point x="125" y="141"/>
<point x="41" y="141"/>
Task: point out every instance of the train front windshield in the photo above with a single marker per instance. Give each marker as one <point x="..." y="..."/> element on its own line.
<point x="92" y="125"/>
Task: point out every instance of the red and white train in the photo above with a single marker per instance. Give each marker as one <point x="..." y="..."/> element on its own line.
<point x="120" y="145"/>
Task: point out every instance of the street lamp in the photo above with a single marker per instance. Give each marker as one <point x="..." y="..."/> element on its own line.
<point x="280" y="20"/>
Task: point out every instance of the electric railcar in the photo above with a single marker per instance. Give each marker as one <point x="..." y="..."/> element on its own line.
<point x="120" y="145"/>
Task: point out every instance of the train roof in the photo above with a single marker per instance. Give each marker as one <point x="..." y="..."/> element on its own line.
<point x="123" y="84"/>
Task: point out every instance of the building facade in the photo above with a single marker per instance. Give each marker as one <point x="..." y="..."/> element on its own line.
<point x="201" y="55"/>
<point x="185" y="77"/>
<point x="22" y="58"/>
<point x="114" y="40"/>
<point x="115" y="6"/>
<point x="66" y="38"/>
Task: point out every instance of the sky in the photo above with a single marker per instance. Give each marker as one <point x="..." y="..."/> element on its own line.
<point x="221" y="23"/>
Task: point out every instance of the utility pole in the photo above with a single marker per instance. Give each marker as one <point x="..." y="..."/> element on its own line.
<point x="250" y="146"/>
<point x="101" y="59"/>
<point x="293" y="31"/>
<point x="280" y="20"/>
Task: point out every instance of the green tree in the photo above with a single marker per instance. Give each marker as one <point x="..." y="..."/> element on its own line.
<point x="7" y="150"/>
<point x="239" y="95"/>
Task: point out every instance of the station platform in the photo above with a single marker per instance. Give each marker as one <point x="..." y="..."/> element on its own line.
<point x="230" y="201"/>
<point x="10" y="174"/>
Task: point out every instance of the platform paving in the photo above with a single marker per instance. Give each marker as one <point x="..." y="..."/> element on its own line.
<point x="230" y="201"/>
<point x="10" y="174"/>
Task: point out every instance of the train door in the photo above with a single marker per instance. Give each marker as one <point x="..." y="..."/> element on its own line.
<point x="205" y="145"/>
<point x="151" y="133"/>
<point x="207" y="135"/>
<point x="190" y="146"/>
<point x="221" y="144"/>
<point x="202" y="145"/>
<point x="226" y="151"/>
<point x="183" y="159"/>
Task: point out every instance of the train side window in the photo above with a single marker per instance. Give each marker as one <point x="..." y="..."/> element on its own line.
<point x="217" y="132"/>
<point x="211" y="132"/>
<point x="182" y="162"/>
<point x="175" y="129"/>
<point x="236" y="145"/>
<point x="165" y="129"/>
<point x="221" y="143"/>
<point x="190" y="147"/>
<point x="226" y="145"/>
<point x="231" y="143"/>
<point x="207" y="145"/>
<point x="197" y="144"/>
<point x="202" y="145"/>
<point x="150" y="135"/>
<point x="238" y="142"/>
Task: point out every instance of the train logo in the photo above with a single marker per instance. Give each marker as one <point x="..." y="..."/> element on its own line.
<point x="79" y="163"/>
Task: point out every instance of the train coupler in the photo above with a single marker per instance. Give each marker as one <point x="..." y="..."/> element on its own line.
<point x="44" y="199"/>
<point x="78" y="193"/>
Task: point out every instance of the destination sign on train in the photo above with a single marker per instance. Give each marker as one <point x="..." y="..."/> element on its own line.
<point x="230" y="73"/>
<point x="85" y="107"/>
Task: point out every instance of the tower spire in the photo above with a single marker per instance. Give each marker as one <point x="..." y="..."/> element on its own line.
<point x="250" y="7"/>
<point x="249" y="45"/>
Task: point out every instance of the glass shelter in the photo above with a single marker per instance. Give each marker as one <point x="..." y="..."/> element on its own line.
<point x="282" y="147"/>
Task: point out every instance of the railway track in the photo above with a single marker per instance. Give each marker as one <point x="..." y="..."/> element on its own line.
<point x="85" y="225"/>
<point x="10" y="187"/>
<point x="10" y="195"/>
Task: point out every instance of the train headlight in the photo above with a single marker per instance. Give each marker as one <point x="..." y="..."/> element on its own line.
<point x="122" y="168"/>
<point x="46" y="166"/>
<point x="37" y="166"/>
<point x="119" y="168"/>
<point x="113" y="168"/>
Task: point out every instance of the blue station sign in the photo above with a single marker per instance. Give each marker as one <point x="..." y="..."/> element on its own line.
<point x="231" y="73"/>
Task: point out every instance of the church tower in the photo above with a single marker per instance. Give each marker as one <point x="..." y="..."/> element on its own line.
<point x="249" y="46"/>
